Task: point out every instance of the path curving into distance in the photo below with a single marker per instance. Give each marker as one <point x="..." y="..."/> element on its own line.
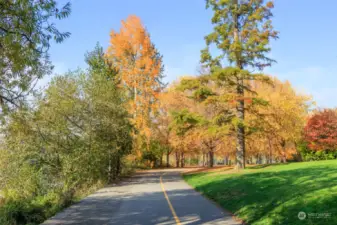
<point x="149" y="197"/>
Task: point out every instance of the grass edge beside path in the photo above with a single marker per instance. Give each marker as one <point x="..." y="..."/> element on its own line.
<point x="183" y="174"/>
<point x="274" y="194"/>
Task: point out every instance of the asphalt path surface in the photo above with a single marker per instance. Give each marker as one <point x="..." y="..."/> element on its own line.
<point x="150" y="197"/>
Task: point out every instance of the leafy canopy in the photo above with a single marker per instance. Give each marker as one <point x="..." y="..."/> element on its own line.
<point x="320" y="130"/>
<point x="242" y="31"/>
<point x="140" y="69"/>
<point x="26" y="30"/>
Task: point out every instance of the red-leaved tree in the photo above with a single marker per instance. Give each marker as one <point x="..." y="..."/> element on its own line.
<point x="321" y="130"/>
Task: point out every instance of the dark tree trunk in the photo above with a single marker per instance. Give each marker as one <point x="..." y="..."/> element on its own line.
<point x="211" y="158"/>
<point x="182" y="158"/>
<point x="167" y="159"/>
<point x="161" y="160"/>
<point x="240" y="139"/>
<point x="177" y="159"/>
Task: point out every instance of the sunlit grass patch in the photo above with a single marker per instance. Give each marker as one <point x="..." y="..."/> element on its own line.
<point x="275" y="194"/>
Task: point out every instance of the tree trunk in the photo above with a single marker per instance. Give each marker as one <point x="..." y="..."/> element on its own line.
<point x="161" y="160"/>
<point x="284" y="156"/>
<point x="207" y="160"/>
<point x="118" y="166"/>
<point x="240" y="108"/>
<point x="182" y="160"/>
<point x="259" y="159"/>
<point x="211" y="158"/>
<point x="203" y="159"/>
<point x="267" y="159"/>
<point x="226" y="160"/>
<point x="115" y="167"/>
<point x="240" y="139"/>
<point x="270" y="152"/>
<point x="167" y="159"/>
<point x="110" y="169"/>
<point x="177" y="159"/>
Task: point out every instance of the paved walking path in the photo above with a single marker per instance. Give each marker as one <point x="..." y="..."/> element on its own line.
<point x="152" y="197"/>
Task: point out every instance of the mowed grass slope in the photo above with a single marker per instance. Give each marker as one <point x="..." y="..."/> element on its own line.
<point x="275" y="194"/>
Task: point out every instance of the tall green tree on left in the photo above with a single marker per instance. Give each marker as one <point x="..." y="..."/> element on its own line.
<point x="75" y="137"/>
<point x="27" y="29"/>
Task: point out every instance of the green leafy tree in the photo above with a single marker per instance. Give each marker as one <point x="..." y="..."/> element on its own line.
<point x="26" y="30"/>
<point x="242" y="32"/>
<point x="75" y="136"/>
<point x="99" y="65"/>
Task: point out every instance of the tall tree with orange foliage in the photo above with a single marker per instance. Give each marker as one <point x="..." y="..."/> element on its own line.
<point x="140" y="70"/>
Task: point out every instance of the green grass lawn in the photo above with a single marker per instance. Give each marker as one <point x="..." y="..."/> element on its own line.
<point x="275" y="194"/>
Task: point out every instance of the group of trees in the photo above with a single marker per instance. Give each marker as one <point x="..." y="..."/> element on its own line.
<point x="200" y="120"/>
<point x="230" y="107"/>
<point x="74" y="136"/>
<point x="231" y="112"/>
<point x="79" y="133"/>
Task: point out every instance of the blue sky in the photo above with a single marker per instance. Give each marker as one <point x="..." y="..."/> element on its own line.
<point x="306" y="51"/>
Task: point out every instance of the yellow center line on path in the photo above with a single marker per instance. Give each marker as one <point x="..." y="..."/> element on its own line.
<point x="168" y="201"/>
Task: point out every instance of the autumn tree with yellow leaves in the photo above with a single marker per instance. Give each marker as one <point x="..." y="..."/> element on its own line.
<point x="202" y="120"/>
<point x="278" y="125"/>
